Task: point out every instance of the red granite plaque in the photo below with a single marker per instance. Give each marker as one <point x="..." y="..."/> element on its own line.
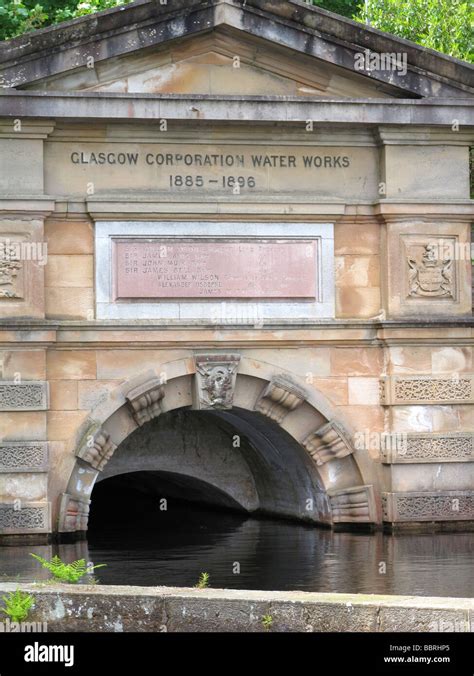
<point x="215" y="269"/>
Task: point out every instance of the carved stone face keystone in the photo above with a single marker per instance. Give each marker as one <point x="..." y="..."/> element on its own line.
<point x="215" y="380"/>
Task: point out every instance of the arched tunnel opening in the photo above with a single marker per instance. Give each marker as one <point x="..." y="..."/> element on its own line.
<point x="229" y="460"/>
<point x="227" y="493"/>
<point x="205" y="491"/>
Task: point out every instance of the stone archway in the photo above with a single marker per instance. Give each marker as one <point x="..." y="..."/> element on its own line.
<point x="267" y="398"/>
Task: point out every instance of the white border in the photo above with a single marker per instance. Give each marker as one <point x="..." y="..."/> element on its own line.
<point x="218" y="312"/>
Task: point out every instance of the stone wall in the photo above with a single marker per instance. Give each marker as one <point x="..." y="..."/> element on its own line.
<point x="165" y="609"/>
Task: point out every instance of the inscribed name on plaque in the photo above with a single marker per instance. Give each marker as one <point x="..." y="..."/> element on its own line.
<point x="211" y="269"/>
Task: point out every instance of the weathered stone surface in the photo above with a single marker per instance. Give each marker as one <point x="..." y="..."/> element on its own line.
<point x="96" y="447"/>
<point x="327" y="443"/>
<point x="145" y="400"/>
<point x="71" y="365"/>
<point x="279" y="398"/>
<point x="353" y="505"/>
<point x="69" y="303"/>
<point x="69" y="237"/>
<point x="74" y="514"/>
<point x="145" y="609"/>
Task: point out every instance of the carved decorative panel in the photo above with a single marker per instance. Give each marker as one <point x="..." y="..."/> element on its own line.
<point x="11" y="279"/>
<point x="24" y="517"/>
<point x="420" y="448"/>
<point x="96" y="447"/>
<point x="145" y="400"/>
<point x="427" y="268"/>
<point x="215" y="380"/>
<point x="280" y="397"/>
<point x="404" y="390"/>
<point x="428" y="506"/>
<point x="353" y="505"/>
<point x="431" y="270"/>
<point x="24" y="456"/>
<point x="327" y="443"/>
<point x="25" y="396"/>
<point x="23" y="255"/>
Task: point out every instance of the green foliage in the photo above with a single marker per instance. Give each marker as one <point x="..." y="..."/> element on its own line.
<point x="21" y="16"/>
<point x="267" y="621"/>
<point x="203" y="581"/>
<point x="17" y="605"/>
<point x="444" y="25"/>
<point x="67" y="572"/>
<point x="471" y="173"/>
<point x="347" y="8"/>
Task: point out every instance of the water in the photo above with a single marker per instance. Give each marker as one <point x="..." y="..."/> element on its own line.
<point x="153" y="547"/>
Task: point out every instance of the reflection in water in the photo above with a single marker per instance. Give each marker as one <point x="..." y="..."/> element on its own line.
<point x="153" y="547"/>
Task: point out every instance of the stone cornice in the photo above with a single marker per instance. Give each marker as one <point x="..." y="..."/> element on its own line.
<point x="113" y="106"/>
<point x="201" y="335"/>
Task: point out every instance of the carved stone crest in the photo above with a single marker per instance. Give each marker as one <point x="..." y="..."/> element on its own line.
<point x="215" y="380"/>
<point x="9" y="270"/>
<point x="429" y="275"/>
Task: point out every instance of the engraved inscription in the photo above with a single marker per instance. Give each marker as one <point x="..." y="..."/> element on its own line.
<point x="230" y="269"/>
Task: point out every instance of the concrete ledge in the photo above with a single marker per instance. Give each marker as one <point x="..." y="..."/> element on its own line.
<point x="99" y="608"/>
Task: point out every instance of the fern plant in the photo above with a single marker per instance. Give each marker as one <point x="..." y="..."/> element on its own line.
<point x="67" y="572"/>
<point x="17" y="605"/>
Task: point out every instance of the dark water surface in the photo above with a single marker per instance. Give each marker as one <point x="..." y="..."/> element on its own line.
<point x="173" y="547"/>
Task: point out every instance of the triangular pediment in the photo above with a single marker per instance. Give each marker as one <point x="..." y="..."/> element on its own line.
<point x="223" y="61"/>
<point x="227" y="47"/>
